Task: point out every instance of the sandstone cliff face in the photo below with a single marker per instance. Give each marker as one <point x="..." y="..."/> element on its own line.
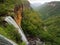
<point x="19" y="11"/>
<point x="18" y="14"/>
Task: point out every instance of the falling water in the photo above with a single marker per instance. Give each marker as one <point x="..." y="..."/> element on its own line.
<point x="4" y="40"/>
<point x="10" y="20"/>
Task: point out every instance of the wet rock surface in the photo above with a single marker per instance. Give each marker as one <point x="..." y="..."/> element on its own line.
<point x="35" y="41"/>
<point x="4" y="41"/>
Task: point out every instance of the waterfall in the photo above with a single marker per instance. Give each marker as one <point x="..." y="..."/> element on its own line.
<point x="10" y="20"/>
<point x="7" y="41"/>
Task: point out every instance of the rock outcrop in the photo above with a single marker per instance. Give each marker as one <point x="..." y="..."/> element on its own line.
<point x="19" y="11"/>
<point x="18" y="14"/>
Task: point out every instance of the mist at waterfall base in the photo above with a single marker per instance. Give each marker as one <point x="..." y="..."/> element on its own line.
<point x="10" y="20"/>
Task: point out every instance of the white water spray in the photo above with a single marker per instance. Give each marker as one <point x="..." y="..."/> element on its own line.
<point x="10" y="20"/>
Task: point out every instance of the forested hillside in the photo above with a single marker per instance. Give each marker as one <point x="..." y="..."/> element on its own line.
<point x="50" y="9"/>
<point x="50" y="14"/>
<point x="43" y="24"/>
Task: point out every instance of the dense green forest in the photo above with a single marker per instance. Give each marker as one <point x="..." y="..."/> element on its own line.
<point x="50" y="14"/>
<point x="43" y="24"/>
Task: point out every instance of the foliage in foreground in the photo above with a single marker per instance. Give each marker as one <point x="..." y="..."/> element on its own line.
<point x="10" y="32"/>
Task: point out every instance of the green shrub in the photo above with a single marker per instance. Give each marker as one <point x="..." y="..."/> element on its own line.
<point x="10" y="32"/>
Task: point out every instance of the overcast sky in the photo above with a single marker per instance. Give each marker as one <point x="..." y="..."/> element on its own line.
<point x="41" y="1"/>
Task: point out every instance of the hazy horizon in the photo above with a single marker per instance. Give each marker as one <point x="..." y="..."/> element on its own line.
<point x="41" y="1"/>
